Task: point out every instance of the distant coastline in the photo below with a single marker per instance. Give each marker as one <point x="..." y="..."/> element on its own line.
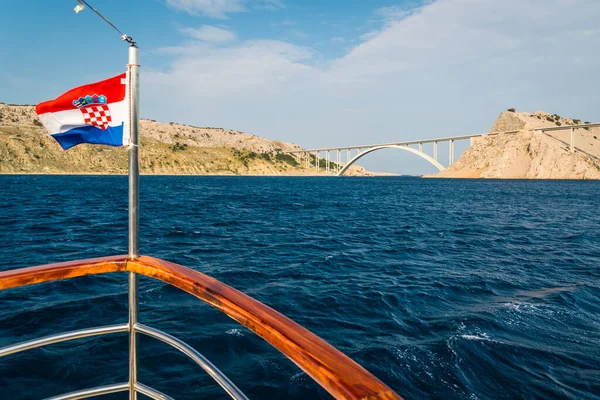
<point x="167" y="149"/>
<point x="176" y="149"/>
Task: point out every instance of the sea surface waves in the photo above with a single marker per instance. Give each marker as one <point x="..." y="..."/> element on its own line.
<point x="453" y="289"/>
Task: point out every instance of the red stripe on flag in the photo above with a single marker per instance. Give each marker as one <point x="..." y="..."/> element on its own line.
<point x="112" y="88"/>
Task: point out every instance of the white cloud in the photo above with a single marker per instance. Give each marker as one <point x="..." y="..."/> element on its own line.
<point x="447" y="68"/>
<point x="206" y="73"/>
<point x="220" y="8"/>
<point x="209" y="33"/>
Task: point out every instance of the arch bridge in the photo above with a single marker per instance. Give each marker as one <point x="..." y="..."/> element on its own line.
<point x="312" y="158"/>
<point x="345" y="157"/>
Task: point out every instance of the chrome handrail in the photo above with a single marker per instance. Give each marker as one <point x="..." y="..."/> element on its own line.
<point x="97" y="391"/>
<point x="62" y="337"/>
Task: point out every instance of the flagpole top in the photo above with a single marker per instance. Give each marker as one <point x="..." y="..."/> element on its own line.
<point x="128" y="39"/>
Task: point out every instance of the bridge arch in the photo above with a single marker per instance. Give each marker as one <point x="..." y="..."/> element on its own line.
<point x="372" y="149"/>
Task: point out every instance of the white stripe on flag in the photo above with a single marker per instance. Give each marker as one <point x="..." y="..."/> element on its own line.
<point x="62" y="121"/>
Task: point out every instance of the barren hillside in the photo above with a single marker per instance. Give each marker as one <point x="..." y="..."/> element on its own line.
<point x="167" y="148"/>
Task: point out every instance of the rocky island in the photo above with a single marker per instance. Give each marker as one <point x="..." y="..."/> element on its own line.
<point x="514" y="149"/>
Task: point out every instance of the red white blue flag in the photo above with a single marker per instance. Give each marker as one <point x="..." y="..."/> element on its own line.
<point x="97" y="113"/>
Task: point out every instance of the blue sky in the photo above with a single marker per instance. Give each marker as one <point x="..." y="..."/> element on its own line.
<point x="318" y="73"/>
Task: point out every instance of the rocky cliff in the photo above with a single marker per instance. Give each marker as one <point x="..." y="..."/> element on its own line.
<point x="514" y="150"/>
<point x="167" y="148"/>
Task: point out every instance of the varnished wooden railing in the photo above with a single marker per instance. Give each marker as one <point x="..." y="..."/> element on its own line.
<point x="334" y="371"/>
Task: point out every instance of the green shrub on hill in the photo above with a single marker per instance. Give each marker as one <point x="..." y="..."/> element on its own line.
<point x="179" y="147"/>
<point x="286" y="158"/>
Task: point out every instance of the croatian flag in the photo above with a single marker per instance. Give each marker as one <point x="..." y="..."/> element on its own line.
<point x="97" y="113"/>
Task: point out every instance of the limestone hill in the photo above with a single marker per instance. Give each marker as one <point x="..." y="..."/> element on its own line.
<point x="167" y="148"/>
<point x="528" y="154"/>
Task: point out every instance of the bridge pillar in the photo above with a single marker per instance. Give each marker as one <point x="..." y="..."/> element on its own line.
<point x="451" y="155"/>
<point x="421" y="147"/>
<point x="572" y="140"/>
<point x="317" y="161"/>
<point x="435" y="151"/>
<point x="327" y="157"/>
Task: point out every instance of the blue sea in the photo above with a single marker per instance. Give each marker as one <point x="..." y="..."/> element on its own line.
<point x="455" y="289"/>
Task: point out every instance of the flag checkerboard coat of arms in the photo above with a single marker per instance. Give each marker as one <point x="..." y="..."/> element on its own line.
<point x="95" y="111"/>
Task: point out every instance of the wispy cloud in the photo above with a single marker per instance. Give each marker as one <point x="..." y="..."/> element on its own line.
<point x="396" y="13"/>
<point x="269" y="4"/>
<point x="285" y="22"/>
<point x="208" y="8"/>
<point x="298" y="33"/>
<point x="220" y="8"/>
<point x="210" y="33"/>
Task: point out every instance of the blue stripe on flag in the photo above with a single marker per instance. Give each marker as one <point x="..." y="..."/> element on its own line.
<point x="113" y="136"/>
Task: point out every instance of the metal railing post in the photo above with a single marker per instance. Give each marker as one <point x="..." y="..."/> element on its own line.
<point x="134" y="185"/>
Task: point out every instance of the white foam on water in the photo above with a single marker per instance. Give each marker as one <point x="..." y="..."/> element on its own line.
<point x="235" y="332"/>
<point x="528" y="308"/>
<point x="476" y="337"/>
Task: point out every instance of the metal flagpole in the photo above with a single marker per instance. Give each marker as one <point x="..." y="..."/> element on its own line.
<point x="133" y="73"/>
<point x="134" y="186"/>
<point x="134" y="173"/>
